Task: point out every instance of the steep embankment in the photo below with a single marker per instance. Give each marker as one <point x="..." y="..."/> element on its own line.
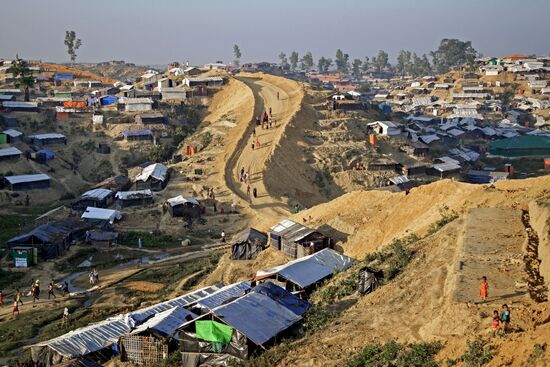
<point x="426" y="302"/>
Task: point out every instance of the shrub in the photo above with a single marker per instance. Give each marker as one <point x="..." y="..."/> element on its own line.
<point x="395" y="354"/>
<point x="478" y="353"/>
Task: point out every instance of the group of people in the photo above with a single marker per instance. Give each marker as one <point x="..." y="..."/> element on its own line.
<point x="501" y="322"/>
<point x="34" y="292"/>
<point x="244" y="177"/>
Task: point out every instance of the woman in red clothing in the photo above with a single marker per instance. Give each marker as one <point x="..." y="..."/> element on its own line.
<point x="484" y="288"/>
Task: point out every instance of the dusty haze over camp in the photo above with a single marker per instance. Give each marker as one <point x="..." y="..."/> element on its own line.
<point x="147" y="32"/>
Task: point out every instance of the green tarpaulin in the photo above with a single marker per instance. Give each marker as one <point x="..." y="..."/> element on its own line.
<point x="213" y="331"/>
<point x="3" y="138"/>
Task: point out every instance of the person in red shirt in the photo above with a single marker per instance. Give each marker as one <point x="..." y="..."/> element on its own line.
<point x="484" y="289"/>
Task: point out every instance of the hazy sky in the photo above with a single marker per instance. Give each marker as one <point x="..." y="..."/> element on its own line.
<point x="161" y="31"/>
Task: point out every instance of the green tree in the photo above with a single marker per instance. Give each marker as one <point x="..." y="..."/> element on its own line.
<point x="403" y="62"/>
<point x="294" y="58"/>
<point x="23" y="76"/>
<point x="366" y="64"/>
<point x="420" y="65"/>
<point x="237" y="54"/>
<point x="72" y="43"/>
<point x="283" y="60"/>
<point x="307" y="61"/>
<point x="452" y="53"/>
<point x="342" y="62"/>
<point x="380" y="62"/>
<point x="324" y="64"/>
<point x="356" y="68"/>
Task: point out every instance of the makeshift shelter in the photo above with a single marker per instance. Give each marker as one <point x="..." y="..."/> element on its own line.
<point x="180" y="206"/>
<point x="137" y="135"/>
<point x="52" y="239"/>
<point x="149" y="118"/>
<point x="296" y="240"/>
<point x="368" y="280"/>
<point x="153" y="177"/>
<point x="100" y="340"/>
<point x="108" y="100"/>
<point x="247" y="244"/>
<point x="308" y="271"/>
<point x="27" y="182"/>
<point x="42" y="156"/>
<point x="236" y="329"/>
<point x="484" y="177"/>
<point x="97" y="198"/>
<point x="97" y="338"/>
<point x="47" y="139"/>
<point x="137" y="104"/>
<point x="133" y="198"/>
<point x="11" y="153"/>
<point x="14" y="136"/>
<point x="100" y="238"/>
<point x="527" y="145"/>
<point x="100" y="217"/>
<point x="147" y="344"/>
<point x="20" y="106"/>
<point x="9" y="121"/>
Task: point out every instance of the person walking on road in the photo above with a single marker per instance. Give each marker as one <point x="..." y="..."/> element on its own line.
<point x="277" y="96"/>
<point x="248" y="190"/>
<point x="258" y="142"/>
<point x="15" y="308"/>
<point x="17" y="296"/>
<point x="222" y="237"/>
<point x="255" y="193"/>
<point x="66" y="289"/>
<point x="50" y="290"/>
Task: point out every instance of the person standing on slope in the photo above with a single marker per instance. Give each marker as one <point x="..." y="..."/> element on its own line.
<point x="484" y="289"/>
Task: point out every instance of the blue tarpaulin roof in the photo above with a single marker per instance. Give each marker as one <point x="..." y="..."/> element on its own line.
<point x="63" y="76"/>
<point x="287" y="299"/>
<point x="258" y="316"/>
<point x="223" y="295"/>
<point x="108" y="100"/>
<point x="310" y="269"/>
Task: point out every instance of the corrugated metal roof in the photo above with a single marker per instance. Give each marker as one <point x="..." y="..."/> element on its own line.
<point x="311" y="269"/>
<point x="88" y="339"/>
<point x="224" y="294"/>
<point x="27" y="178"/>
<point x="13" y="133"/>
<point x="128" y="195"/>
<point x="127" y="100"/>
<point x="166" y="322"/>
<point x="181" y="200"/>
<point x="14" y="104"/>
<point x="181" y="301"/>
<point x="257" y="316"/>
<point x="137" y="132"/>
<point x="6" y="152"/>
<point x="446" y="167"/>
<point x="157" y="171"/>
<point x="101" y="214"/>
<point x="47" y="136"/>
<point x="98" y="194"/>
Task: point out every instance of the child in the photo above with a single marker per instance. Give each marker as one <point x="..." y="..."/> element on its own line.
<point x="495" y="323"/>
<point x="484" y="289"/>
<point x="505" y="317"/>
<point x="15" y="308"/>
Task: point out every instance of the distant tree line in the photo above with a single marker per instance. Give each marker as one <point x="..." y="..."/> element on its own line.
<point x="449" y="54"/>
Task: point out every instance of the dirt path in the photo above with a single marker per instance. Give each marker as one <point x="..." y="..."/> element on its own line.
<point x="265" y="208"/>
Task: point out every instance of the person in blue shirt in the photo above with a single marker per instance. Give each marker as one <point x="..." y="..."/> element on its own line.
<point x="505" y="317"/>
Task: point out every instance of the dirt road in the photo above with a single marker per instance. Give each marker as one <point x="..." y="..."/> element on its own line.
<point x="265" y="208"/>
